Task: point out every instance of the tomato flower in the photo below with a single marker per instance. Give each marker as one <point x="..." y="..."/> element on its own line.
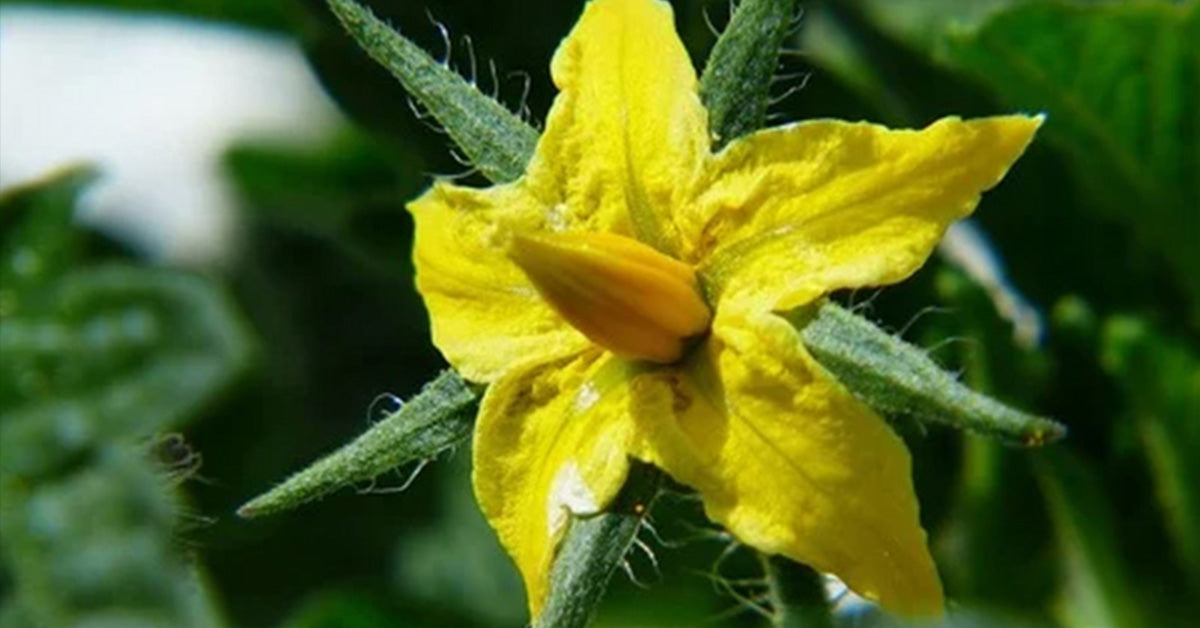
<point x="624" y="299"/>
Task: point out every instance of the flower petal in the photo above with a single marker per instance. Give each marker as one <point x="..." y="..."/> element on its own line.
<point x="627" y="125"/>
<point x="551" y="440"/>
<point x="789" y="462"/>
<point x="484" y="313"/>
<point x="788" y="214"/>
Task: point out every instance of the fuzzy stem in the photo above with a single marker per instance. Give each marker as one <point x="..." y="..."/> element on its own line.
<point x="796" y="593"/>
<point x="594" y="548"/>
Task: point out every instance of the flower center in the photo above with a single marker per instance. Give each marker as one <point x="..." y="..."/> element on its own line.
<point x="620" y="293"/>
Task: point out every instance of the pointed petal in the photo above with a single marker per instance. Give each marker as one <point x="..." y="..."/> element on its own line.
<point x="551" y="440"/>
<point x="789" y="462"/>
<point x="484" y="313"/>
<point x="788" y="214"/>
<point x="627" y="125"/>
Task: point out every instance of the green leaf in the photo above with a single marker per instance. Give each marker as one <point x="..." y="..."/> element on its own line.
<point x="736" y="83"/>
<point x="1098" y="592"/>
<point x="114" y="352"/>
<point x="1121" y="85"/>
<point x="1160" y="380"/>
<point x="896" y="378"/>
<point x="593" y="549"/>
<point x="495" y="140"/>
<point x="440" y="416"/>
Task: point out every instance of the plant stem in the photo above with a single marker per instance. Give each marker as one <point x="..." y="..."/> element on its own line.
<point x="796" y="593"/>
<point x="593" y="549"/>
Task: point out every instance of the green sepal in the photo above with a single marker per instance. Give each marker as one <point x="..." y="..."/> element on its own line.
<point x="494" y="140"/>
<point x="898" y="379"/>
<point x="440" y="416"/>
<point x="736" y="83"/>
<point x="593" y="549"/>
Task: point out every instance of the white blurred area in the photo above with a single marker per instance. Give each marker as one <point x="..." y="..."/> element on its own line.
<point x="154" y="101"/>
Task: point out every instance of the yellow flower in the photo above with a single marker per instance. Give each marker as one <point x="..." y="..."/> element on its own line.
<point x="622" y="300"/>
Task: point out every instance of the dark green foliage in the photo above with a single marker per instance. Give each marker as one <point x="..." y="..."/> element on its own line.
<point x="1160" y="379"/>
<point x="1121" y="85"/>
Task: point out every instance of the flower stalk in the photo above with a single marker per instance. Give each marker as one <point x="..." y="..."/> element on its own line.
<point x="796" y="593"/>
<point x="594" y="548"/>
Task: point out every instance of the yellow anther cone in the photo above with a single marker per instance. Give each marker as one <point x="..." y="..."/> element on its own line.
<point x="622" y="294"/>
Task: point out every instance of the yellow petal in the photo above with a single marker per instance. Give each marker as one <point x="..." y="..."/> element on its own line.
<point x="788" y="214"/>
<point x="484" y="313"/>
<point x="551" y="440"/>
<point x="789" y="462"/>
<point x="620" y="293"/>
<point x="627" y="126"/>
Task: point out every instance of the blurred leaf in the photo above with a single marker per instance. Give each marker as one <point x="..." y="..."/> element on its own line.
<point x="97" y="359"/>
<point x="441" y="416"/>
<point x="1160" y="379"/>
<point x="96" y="547"/>
<point x="993" y="548"/>
<point x="956" y="617"/>
<point x="836" y="48"/>
<point x="458" y="561"/>
<point x="342" y="611"/>
<point x="494" y="139"/>
<point x="1121" y="84"/>
<point x="110" y="353"/>
<point x="349" y="191"/>
<point x="37" y="237"/>
<point x="1098" y="592"/>
<point x="923" y="24"/>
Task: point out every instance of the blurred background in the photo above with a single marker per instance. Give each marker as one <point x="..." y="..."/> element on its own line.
<point x="206" y="285"/>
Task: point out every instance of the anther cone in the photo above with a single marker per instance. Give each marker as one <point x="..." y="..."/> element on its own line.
<point x="622" y="294"/>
